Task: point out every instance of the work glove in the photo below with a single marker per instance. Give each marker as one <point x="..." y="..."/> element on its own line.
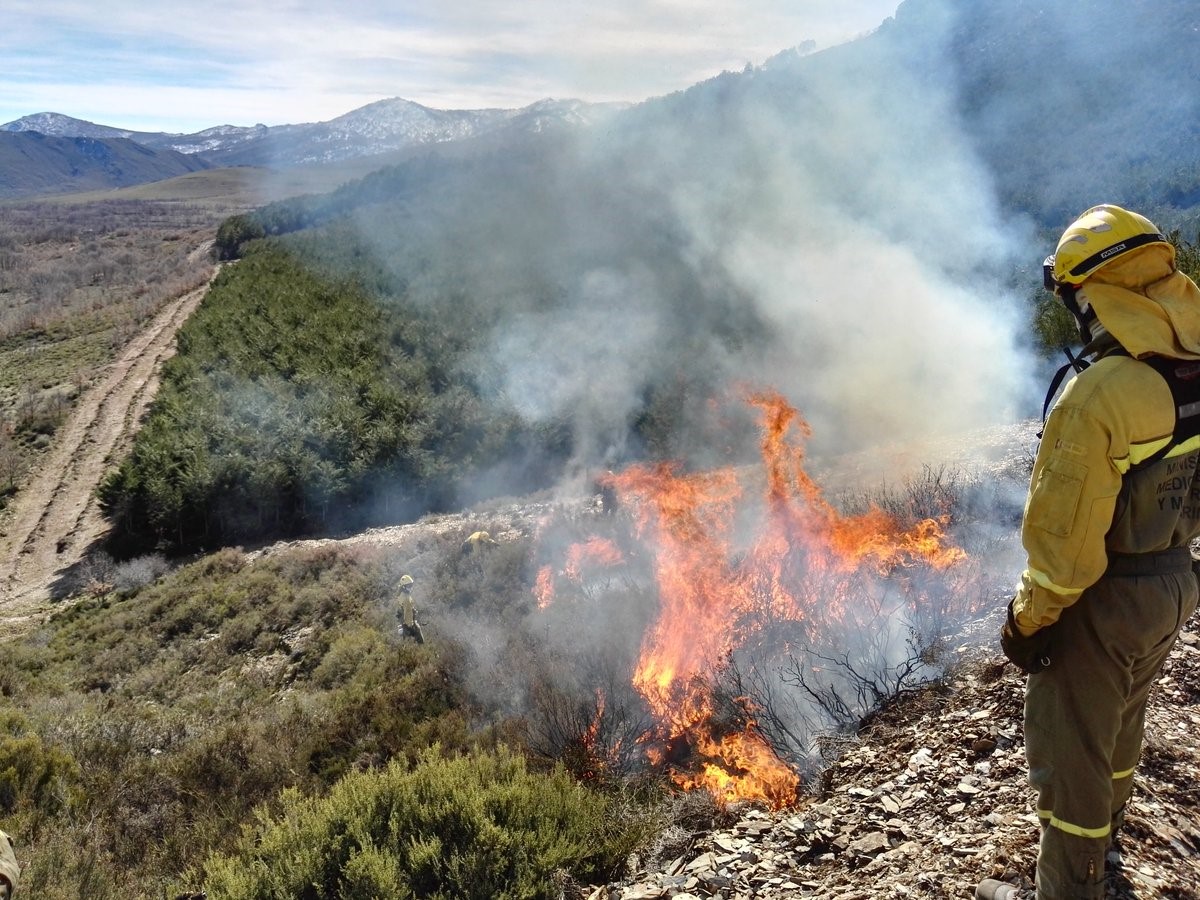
<point x="1029" y="654"/>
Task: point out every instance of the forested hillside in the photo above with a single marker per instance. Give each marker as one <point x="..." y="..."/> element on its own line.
<point x="298" y="402"/>
<point x="380" y="366"/>
<point x="1090" y="100"/>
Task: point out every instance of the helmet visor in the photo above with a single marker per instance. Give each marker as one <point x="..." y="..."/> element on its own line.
<point x="1048" y="274"/>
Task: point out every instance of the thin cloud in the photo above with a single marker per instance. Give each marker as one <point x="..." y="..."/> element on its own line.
<point x="307" y="61"/>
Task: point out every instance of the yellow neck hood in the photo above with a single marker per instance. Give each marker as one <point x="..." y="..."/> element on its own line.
<point x="1146" y="304"/>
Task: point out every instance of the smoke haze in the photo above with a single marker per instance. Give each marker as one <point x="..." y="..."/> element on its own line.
<point x="821" y="225"/>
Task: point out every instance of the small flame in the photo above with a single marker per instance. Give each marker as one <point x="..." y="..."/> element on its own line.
<point x="582" y="558"/>
<point x="543" y="588"/>
<point x="593" y="730"/>
<point x="596" y="551"/>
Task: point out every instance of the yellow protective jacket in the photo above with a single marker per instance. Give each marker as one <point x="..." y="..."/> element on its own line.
<point x="1085" y="498"/>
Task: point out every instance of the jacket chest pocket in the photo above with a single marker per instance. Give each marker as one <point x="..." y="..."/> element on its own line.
<point x="1054" y="500"/>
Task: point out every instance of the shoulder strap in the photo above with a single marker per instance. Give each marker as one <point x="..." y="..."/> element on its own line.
<point x="1183" y="378"/>
<point x="1078" y="363"/>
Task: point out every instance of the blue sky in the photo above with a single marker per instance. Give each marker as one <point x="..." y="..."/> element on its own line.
<point x="182" y="67"/>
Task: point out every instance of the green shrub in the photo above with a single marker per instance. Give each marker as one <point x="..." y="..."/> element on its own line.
<point x="184" y="708"/>
<point x="1187" y="254"/>
<point x="301" y="402"/>
<point x="35" y="779"/>
<point x="480" y="826"/>
<point x="68" y="865"/>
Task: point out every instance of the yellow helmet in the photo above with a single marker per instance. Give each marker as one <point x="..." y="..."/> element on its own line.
<point x="1094" y="240"/>
<point x="405" y="581"/>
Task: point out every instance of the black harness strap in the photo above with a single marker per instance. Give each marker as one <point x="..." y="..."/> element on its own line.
<point x="1078" y="363"/>
<point x="1183" y="378"/>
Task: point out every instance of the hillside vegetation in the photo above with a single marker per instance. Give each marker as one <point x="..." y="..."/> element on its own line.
<point x="350" y="369"/>
<point x="459" y="329"/>
<point x="156" y="715"/>
<point x="358" y="371"/>
<point x="298" y="403"/>
<point x="77" y="281"/>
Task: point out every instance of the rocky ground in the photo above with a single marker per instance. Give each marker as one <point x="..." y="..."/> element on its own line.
<point x="931" y="797"/>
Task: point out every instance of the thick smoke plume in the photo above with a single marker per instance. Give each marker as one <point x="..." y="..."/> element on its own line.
<point x="820" y="225"/>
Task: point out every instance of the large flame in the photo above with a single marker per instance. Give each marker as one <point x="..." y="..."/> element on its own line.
<point x="726" y="569"/>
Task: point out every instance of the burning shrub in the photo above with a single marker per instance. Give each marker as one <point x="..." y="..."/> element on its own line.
<point x="802" y="684"/>
<point x="595" y="736"/>
<point x="778" y="618"/>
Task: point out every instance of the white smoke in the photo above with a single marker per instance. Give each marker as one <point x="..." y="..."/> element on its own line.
<point x="561" y="363"/>
<point x="837" y="200"/>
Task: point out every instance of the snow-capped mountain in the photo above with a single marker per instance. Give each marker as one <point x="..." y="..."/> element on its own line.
<point x="57" y="125"/>
<point x="381" y="127"/>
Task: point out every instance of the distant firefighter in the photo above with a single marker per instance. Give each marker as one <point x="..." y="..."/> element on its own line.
<point x="477" y="541"/>
<point x="607" y="492"/>
<point x="407" y="612"/>
<point x="10" y="872"/>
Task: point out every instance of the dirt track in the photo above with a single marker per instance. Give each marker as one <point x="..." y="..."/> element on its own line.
<point x="54" y="519"/>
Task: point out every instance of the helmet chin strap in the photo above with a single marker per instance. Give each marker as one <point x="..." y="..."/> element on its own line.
<point x="1085" y="323"/>
<point x="1084" y="317"/>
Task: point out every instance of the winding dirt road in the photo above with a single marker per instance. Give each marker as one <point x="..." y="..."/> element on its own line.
<point x="55" y="518"/>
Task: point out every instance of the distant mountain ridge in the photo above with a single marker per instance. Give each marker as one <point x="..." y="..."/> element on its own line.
<point x="32" y="163"/>
<point x="1056" y="104"/>
<point x="381" y="127"/>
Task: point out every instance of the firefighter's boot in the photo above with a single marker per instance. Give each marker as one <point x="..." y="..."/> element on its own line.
<point x="991" y="889"/>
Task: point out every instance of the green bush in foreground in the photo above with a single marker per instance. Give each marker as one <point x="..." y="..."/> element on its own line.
<point x="35" y="779"/>
<point x="479" y="826"/>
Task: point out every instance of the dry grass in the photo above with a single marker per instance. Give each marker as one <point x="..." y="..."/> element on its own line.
<point x="77" y="281"/>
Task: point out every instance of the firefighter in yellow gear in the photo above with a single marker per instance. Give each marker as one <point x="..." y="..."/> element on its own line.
<point x="477" y="540"/>
<point x="1114" y="500"/>
<point x="407" y="613"/>
<point x="10" y="872"/>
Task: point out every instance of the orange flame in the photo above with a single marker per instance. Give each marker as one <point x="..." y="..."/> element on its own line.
<point x="543" y="588"/>
<point x="716" y="591"/>
<point x="747" y="769"/>
<point x="596" y="551"/>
